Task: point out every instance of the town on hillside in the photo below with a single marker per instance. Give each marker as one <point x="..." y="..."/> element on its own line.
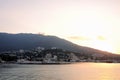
<point x="53" y="55"/>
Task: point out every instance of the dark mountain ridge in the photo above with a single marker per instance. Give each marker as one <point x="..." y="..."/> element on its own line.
<point x="27" y="41"/>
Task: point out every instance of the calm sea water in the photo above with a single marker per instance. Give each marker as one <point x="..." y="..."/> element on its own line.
<point x="79" y="71"/>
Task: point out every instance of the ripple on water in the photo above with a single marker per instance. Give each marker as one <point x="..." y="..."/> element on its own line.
<point x="82" y="71"/>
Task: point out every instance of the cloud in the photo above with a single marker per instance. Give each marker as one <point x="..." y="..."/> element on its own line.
<point x="101" y="38"/>
<point x="84" y="38"/>
<point x="78" y="38"/>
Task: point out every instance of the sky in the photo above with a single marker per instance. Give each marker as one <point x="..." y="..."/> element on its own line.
<point x="91" y="23"/>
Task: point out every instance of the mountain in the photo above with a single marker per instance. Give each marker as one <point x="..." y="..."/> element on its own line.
<point x="29" y="41"/>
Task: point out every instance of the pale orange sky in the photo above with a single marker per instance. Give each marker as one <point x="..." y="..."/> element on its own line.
<point x="92" y="23"/>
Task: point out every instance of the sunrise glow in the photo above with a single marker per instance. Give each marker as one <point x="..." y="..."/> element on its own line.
<point x="91" y="23"/>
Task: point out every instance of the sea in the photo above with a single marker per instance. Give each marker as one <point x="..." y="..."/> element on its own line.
<point x="76" y="71"/>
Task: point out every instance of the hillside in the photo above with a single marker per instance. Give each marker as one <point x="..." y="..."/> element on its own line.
<point x="29" y="41"/>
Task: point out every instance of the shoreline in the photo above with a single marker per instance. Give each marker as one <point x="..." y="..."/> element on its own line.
<point x="57" y="63"/>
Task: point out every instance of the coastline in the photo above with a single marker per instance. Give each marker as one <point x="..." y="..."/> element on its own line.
<point x="55" y="63"/>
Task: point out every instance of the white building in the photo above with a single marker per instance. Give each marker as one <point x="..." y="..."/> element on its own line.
<point x="21" y="51"/>
<point x="39" y="49"/>
<point x="48" y="58"/>
<point x="53" y="47"/>
<point x="74" y="58"/>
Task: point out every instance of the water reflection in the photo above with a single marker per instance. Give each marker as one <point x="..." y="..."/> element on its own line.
<point x="81" y="71"/>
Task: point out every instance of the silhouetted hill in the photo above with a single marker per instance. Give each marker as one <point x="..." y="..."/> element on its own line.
<point x="29" y="41"/>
